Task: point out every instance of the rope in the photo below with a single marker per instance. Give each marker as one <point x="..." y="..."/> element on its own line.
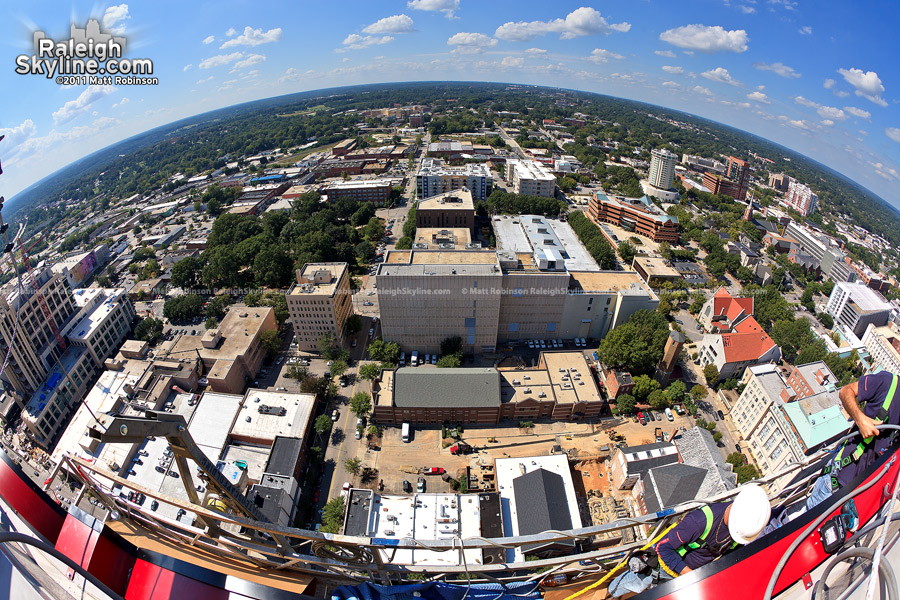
<point x="600" y="581"/>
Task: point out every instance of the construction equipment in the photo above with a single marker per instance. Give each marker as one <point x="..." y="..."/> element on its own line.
<point x="410" y="469"/>
<point x="659" y="434"/>
<point x="460" y="448"/>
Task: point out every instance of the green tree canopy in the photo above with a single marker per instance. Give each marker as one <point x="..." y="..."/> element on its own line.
<point x="636" y="345"/>
<point x="369" y="371"/>
<point x="361" y="404"/>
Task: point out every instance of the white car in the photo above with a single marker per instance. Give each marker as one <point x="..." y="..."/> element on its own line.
<point x="345" y="489"/>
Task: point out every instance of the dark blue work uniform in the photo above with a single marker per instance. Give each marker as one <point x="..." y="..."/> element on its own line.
<point x="674" y="550"/>
<point x="873" y="390"/>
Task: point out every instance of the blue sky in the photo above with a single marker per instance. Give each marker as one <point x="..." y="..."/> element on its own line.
<point x="820" y="76"/>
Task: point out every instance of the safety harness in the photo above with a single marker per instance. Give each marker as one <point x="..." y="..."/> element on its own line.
<point x="703" y="541"/>
<point x="843" y="458"/>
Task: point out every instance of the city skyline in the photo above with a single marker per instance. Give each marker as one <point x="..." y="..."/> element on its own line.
<point x="774" y="68"/>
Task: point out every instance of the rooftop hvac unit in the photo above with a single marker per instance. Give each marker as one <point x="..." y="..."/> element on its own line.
<point x="527" y="377"/>
<point x="527" y="390"/>
<point x="580" y="382"/>
<point x="562" y="370"/>
<point x="542" y="394"/>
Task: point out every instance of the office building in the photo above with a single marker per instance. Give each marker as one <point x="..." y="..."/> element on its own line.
<point x="78" y="266"/>
<point x="883" y="344"/>
<point x="636" y="215"/>
<point x="780" y="181"/>
<point x="434" y="178"/>
<point x="801" y="198"/>
<point x="739" y="172"/>
<point x="232" y="353"/>
<point x="559" y="387"/>
<point x="654" y="270"/>
<point x="662" y="168"/>
<point x="856" y="306"/>
<point x="832" y="261"/>
<point x="319" y="303"/>
<point x="784" y="414"/>
<point x="703" y="165"/>
<point x="719" y="184"/>
<point x="447" y="148"/>
<point x="376" y="191"/>
<point x="488" y="297"/>
<point x="530" y="178"/>
<point x="448" y="210"/>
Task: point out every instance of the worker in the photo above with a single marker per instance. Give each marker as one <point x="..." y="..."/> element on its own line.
<point x="875" y="393"/>
<point x="701" y="537"/>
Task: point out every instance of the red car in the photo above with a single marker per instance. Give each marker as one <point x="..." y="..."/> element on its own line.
<point x="642" y="418"/>
<point x="433" y="470"/>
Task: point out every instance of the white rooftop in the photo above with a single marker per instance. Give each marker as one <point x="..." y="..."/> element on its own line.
<point x="294" y="423"/>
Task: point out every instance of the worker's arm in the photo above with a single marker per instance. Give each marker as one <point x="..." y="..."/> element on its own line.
<point x="849" y="394"/>
<point x="690" y="529"/>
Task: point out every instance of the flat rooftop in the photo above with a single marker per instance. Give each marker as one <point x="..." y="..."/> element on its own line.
<point x="531" y="234"/>
<point x="320" y="279"/>
<point x="354" y="184"/>
<point x="418" y="516"/>
<point x="238" y="329"/>
<point x="455" y="200"/>
<point x="443" y="262"/>
<point x="458" y="236"/>
<point x="606" y="281"/>
<point x="655" y="267"/>
<point x="571" y="377"/>
<point x="85" y="328"/>
<point x="212" y="419"/>
<point x="473" y="386"/>
<point x="298" y="411"/>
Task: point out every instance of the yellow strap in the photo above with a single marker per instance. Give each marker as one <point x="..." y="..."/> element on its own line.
<point x="622" y="562"/>
<point x="666" y="568"/>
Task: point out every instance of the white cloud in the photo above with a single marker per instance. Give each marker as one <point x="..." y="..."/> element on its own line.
<point x="231" y="31"/>
<point x="121" y="102"/>
<point x="841" y="93"/>
<point x="747" y="10"/>
<point x="805" y="30"/>
<point x="858" y="112"/>
<point x="354" y="41"/>
<point x="707" y="39"/>
<point x="199" y="81"/>
<point x="888" y="173"/>
<point x="219" y="60"/>
<point x="290" y="75"/>
<point x="580" y="22"/>
<point x="393" y="24"/>
<point x="671" y="84"/>
<point x="778" y="68"/>
<point x="114" y="19"/>
<point x="470" y="43"/>
<point x="702" y="90"/>
<point x="721" y="75"/>
<point x="209" y="39"/>
<point x="73" y="108"/>
<point x="512" y="61"/>
<point x="827" y="122"/>
<point x="253" y="37"/>
<point x="804" y="102"/>
<point x="759" y="97"/>
<point x="666" y="53"/>
<point x="831" y="113"/>
<point x="536" y="51"/>
<point x="448" y="7"/>
<point x="867" y="84"/>
<point x="16" y="136"/>
<point x="599" y="55"/>
<point x="253" y="59"/>
<point x="799" y="124"/>
<point x="673" y="70"/>
<point x="737" y="104"/>
<point x="829" y="83"/>
<point x="787" y="4"/>
<point x="188" y="67"/>
<point x="893" y="133"/>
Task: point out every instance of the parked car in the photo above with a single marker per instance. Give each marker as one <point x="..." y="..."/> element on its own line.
<point x="434" y="359"/>
<point x="407" y="487"/>
<point x="334" y="415"/>
<point x="345" y="489"/>
<point x="433" y="470"/>
<point x="420" y="485"/>
<point x="720" y="415"/>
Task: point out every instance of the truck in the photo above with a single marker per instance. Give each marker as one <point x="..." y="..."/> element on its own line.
<point x="460" y="448"/>
<point x="414" y="358"/>
<point x="659" y="434"/>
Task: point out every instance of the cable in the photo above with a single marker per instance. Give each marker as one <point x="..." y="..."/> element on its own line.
<point x="876" y="561"/>
<point x="885" y="572"/>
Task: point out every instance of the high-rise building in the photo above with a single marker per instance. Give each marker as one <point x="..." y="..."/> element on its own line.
<point x="883" y="344"/>
<point x="801" y="198"/>
<point x="831" y="259"/>
<point x="779" y="181"/>
<point x="856" y="306"/>
<point x="319" y="302"/>
<point x="662" y="168"/>
<point x="735" y="181"/>
<point x="434" y="178"/>
<point x="531" y="178"/>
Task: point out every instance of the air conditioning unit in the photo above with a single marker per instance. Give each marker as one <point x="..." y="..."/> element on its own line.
<point x="527" y="390"/>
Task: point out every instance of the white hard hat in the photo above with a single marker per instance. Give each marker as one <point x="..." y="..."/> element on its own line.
<point x="750" y="513"/>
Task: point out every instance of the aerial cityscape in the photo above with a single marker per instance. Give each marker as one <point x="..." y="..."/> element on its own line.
<point x="504" y="330"/>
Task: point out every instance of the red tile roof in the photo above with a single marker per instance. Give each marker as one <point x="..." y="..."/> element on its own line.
<point x="748" y="342"/>
<point x="726" y="304"/>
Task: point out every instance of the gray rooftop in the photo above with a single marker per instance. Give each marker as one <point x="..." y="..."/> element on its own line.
<point x="468" y="387"/>
<point x="541" y="503"/>
<point x="670" y="485"/>
<point x="698" y="449"/>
